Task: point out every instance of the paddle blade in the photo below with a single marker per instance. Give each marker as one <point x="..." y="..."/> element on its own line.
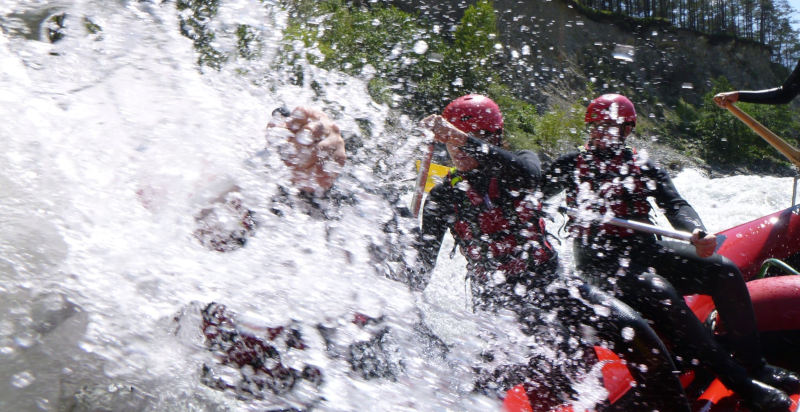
<point x="435" y="173"/>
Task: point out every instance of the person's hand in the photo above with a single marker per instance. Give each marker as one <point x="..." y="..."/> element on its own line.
<point x="444" y="131"/>
<point x="724" y="99"/>
<point x="313" y="147"/>
<point x="704" y="245"/>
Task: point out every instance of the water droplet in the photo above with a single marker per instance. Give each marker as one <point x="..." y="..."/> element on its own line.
<point x="420" y="47"/>
<point x="25" y="339"/>
<point x="304" y="137"/>
<point x="22" y="379"/>
<point x="435" y="58"/>
<point x="623" y="52"/>
<point x="628" y="333"/>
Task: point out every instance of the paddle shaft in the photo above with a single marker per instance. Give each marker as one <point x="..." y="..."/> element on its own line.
<point x="422" y="178"/>
<point x="629" y="224"/>
<point x="781" y="145"/>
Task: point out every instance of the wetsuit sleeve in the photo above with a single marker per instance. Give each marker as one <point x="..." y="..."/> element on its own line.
<point x="436" y="213"/>
<point x="522" y="167"/>
<point x="779" y="95"/>
<point x="559" y="175"/>
<point x="678" y="211"/>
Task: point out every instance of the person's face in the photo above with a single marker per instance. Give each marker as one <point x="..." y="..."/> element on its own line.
<point x="605" y="135"/>
<point x="461" y="160"/>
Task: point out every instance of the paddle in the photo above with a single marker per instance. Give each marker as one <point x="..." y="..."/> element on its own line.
<point x="422" y="178"/>
<point x="781" y="145"/>
<point x="629" y="224"/>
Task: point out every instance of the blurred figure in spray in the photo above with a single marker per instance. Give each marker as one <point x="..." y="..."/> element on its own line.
<point x="489" y="203"/>
<point x="255" y="358"/>
<point x="310" y="144"/>
<point x="608" y="178"/>
<point x="313" y="150"/>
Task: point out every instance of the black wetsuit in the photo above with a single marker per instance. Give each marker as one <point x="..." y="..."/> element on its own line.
<point x="778" y="95"/>
<point x="648" y="274"/>
<point x="493" y="215"/>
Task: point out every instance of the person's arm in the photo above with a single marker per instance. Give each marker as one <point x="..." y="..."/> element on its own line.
<point x="778" y="95"/>
<point x="559" y="175"/>
<point x="310" y="144"/>
<point x="522" y="167"/>
<point x="679" y="212"/>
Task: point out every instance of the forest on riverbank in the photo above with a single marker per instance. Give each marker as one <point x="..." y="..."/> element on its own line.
<point x="767" y="22"/>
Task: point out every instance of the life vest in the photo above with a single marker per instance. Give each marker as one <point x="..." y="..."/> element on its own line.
<point x="500" y="230"/>
<point x="613" y="186"/>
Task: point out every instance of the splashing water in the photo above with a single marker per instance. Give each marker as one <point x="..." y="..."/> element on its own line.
<point x="114" y="141"/>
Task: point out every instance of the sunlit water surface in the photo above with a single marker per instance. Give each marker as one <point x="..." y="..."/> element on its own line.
<point x="112" y="142"/>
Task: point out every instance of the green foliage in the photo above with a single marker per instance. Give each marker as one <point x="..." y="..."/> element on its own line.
<point x="247" y="42"/>
<point x="475" y="35"/>
<point x="561" y="128"/>
<point x="554" y="131"/>
<point x="624" y="21"/>
<point x="55" y="27"/>
<point x="404" y="57"/>
<point x="195" y="17"/>
<point x="91" y="27"/>
<point x="421" y="68"/>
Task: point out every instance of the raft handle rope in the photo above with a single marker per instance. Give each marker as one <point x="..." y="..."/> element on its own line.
<point x="775" y="262"/>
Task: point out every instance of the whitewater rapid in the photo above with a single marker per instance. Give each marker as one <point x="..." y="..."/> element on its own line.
<point x="112" y="142"/>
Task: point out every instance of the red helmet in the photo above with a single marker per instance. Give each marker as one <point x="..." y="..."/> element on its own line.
<point x="611" y="107"/>
<point x="473" y="113"/>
